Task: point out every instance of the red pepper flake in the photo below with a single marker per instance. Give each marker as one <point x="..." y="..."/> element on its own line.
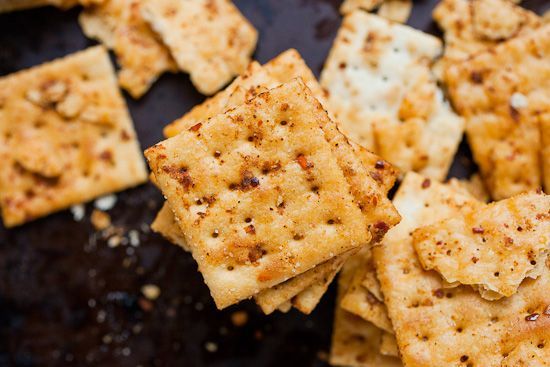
<point x="426" y="183"/>
<point x="439" y="293"/>
<point x="476" y="77"/>
<point x="303" y="162"/>
<point x="195" y="127"/>
<point x="475" y="260"/>
<point x="180" y="174"/>
<point x="514" y="113"/>
<point x="250" y="229"/>
<point x="478" y="230"/>
<point x="124" y="135"/>
<point x="284" y="107"/>
<point x="249" y="181"/>
<point x="256" y="253"/>
<point x="509" y="240"/>
<point x="532" y="317"/>
<point x="463" y="358"/>
<point x="376" y="176"/>
<point x="380" y="165"/>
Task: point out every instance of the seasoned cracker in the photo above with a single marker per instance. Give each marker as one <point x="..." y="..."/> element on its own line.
<point x="494" y="247"/>
<point x="473" y="186"/>
<point x="165" y="225"/>
<point x="258" y="191"/>
<point x="504" y="96"/>
<point x="388" y="345"/>
<point x="359" y="300"/>
<point x="355" y="342"/>
<point x="435" y="326"/>
<point x="209" y="39"/>
<point x="396" y="10"/>
<point x="66" y="137"/>
<point x="118" y="24"/>
<point x="381" y="90"/>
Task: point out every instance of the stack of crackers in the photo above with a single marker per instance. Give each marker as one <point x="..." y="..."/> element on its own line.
<point x="265" y="192"/>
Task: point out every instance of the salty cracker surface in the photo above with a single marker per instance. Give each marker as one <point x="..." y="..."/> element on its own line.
<point x="209" y="39"/>
<point x="66" y="137"/>
<point x="494" y="247"/>
<point x="453" y="327"/>
<point x="381" y="90"/>
<point x="257" y="191"/>
<point x="119" y="25"/>
<point x="355" y="342"/>
<point x="504" y="95"/>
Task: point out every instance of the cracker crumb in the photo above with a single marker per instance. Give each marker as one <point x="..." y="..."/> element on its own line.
<point x="106" y="202"/>
<point x="133" y="235"/>
<point x="518" y="100"/>
<point x="78" y="212"/>
<point x="126" y="351"/>
<point x="100" y="220"/>
<point x="150" y="291"/>
<point x="239" y="318"/>
<point x="114" y="241"/>
<point x="211" y="347"/>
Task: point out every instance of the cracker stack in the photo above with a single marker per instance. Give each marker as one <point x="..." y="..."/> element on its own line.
<point x="268" y="173"/>
<point x="444" y="318"/>
<point x="67" y="137"/>
<point x="382" y="91"/>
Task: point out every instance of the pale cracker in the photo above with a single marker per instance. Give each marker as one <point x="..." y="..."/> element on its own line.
<point x="66" y="137"/>
<point x="504" y="95"/>
<point x="267" y="179"/>
<point x="452" y="327"/>
<point x="209" y="39"/>
<point x="473" y="186"/>
<point x="388" y="345"/>
<point x="118" y="24"/>
<point x="359" y="300"/>
<point x="475" y="26"/>
<point x="355" y="342"/>
<point x="396" y="10"/>
<point x="494" y="247"/>
<point x="382" y="92"/>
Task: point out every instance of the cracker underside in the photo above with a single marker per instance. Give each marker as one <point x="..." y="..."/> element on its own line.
<point x="381" y="90"/>
<point x="504" y="96"/>
<point x="209" y="39"/>
<point x="450" y="327"/>
<point x="66" y="137"/>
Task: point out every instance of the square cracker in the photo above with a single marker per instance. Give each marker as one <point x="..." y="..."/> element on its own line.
<point x="355" y="342"/>
<point x="435" y="326"/>
<point x="504" y="95"/>
<point x="118" y="24"/>
<point x="493" y="248"/>
<point x="209" y="39"/>
<point x="256" y="172"/>
<point x="381" y="90"/>
<point x="66" y="137"/>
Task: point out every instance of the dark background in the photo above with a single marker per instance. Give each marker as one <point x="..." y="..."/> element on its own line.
<point x="67" y="299"/>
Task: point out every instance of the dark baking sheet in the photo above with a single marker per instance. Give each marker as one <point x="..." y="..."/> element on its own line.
<point x="66" y="299"/>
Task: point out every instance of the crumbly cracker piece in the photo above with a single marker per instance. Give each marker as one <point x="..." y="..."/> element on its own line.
<point x="355" y="342"/>
<point x="388" y="345"/>
<point x="360" y="301"/>
<point x="452" y="327"/>
<point x="473" y="186"/>
<point x="165" y="225"/>
<point x="396" y="10"/>
<point x="118" y="24"/>
<point x="349" y="6"/>
<point x="209" y="39"/>
<point x="504" y="96"/>
<point x="475" y="26"/>
<point x="494" y="247"/>
<point x="382" y="92"/>
<point x="258" y="191"/>
<point x="66" y="137"/>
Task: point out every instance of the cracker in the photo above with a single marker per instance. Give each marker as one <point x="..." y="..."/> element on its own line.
<point x="494" y="247"/>
<point x="382" y="92"/>
<point x="396" y="10"/>
<point x="360" y="301"/>
<point x="355" y="342"/>
<point x="66" y="137"/>
<point x="349" y="6"/>
<point x="209" y="39"/>
<point x="118" y="24"/>
<point x="165" y="225"/>
<point x="504" y="96"/>
<point x="475" y="26"/>
<point x="388" y="345"/>
<point x="473" y="186"/>
<point x="453" y="327"/>
<point x="269" y="182"/>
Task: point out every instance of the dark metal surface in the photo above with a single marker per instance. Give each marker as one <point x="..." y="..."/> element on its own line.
<point x="66" y="299"/>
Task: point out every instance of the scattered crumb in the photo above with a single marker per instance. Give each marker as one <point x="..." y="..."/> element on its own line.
<point x="100" y="220"/>
<point x="211" y="347"/>
<point x="114" y="241"/>
<point x="145" y="304"/>
<point x="239" y="318"/>
<point x="107" y="339"/>
<point x="133" y="235"/>
<point x="101" y="315"/>
<point x="106" y="202"/>
<point x="126" y="351"/>
<point x="91" y="303"/>
<point x="199" y="306"/>
<point x="150" y="291"/>
<point x="78" y="212"/>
